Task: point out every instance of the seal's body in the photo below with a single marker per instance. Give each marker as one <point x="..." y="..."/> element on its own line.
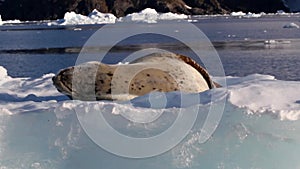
<point x="163" y="72"/>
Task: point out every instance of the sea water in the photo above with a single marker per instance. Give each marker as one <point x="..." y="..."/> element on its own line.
<point x="259" y="127"/>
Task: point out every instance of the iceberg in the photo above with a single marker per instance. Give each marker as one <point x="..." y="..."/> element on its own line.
<point x="95" y="17"/>
<point x="239" y="14"/>
<point x="0" y="20"/>
<point x="149" y="15"/>
<point x="172" y="16"/>
<point x="252" y="15"/>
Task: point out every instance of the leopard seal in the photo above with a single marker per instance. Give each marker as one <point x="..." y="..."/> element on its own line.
<point x="162" y="72"/>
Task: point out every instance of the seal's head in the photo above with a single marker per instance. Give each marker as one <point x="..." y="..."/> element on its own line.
<point x="63" y="81"/>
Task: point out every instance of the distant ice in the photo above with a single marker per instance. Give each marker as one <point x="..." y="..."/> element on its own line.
<point x="240" y="13"/>
<point x="244" y="15"/>
<point x="281" y="12"/>
<point x="277" y="42"/>
<point x="149" y="15"/>
<point x="291" y="25"/>
<point x="95" y="17"/>
<point x="252" y="15"/>
<point x="171" y="16"/>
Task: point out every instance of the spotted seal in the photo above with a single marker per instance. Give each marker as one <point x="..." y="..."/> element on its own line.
<point x="163" y="72"/>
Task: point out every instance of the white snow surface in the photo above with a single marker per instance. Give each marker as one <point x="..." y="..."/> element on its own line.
<point x="257" y="94"/>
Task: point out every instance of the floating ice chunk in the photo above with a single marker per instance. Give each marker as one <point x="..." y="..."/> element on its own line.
<point x="271" y="41"/>
<point x="149" y="15"/>
<point x="99" y="17"/>
<point x="240" y="13"/>
<point x="281" y="12"/>
<point x="248" y="15"/>
<point x="275" y="42"/>
<point x="171" y="16"/>
<point x="71" y="18"/>
<point x="192" y="20"/>
<point x="291" y="25"/>
<point x="11" y="21"/>
<point x="0" y="20"/>
<point x="252" y="15"/>
<point x="95" y="17"/>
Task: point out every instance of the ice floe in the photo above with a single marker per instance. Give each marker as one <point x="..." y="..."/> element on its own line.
<point x="257" y="94"/>
<point x="149" y="15"/>
<point x="291" y="25"/>
<point x="95" y="17"/>
<point x="241" y="14"/>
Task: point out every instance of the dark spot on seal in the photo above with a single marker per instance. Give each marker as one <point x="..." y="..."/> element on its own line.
<point x="148" y="74"/>
<point x="140" y="88"/>
<point x="154" y="88"/>
<point x="110" y="74"/>
<point x="102" y="81"/>
<point x="143" y="86"/>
